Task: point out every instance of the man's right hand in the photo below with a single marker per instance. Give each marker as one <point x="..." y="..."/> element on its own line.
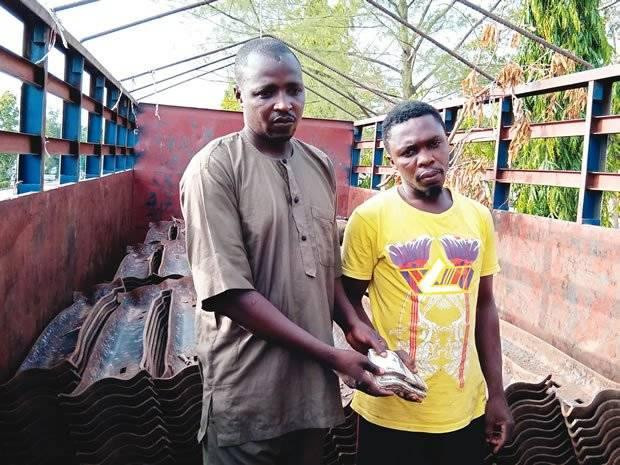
<point x="357" y="372"/>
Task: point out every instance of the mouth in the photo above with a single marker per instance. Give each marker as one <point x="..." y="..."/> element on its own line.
<point x="430" y="174"/>
<point x="284" y="121"/>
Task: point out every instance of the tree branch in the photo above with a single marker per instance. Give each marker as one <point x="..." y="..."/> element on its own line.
<point x="463" y="39"/>
<point x="373" y="60"/>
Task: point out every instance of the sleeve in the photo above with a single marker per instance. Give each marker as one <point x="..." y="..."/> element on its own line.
<point x="490" y="264"/>
<point x="215" y="246"/>
<point x="359" y="255"/>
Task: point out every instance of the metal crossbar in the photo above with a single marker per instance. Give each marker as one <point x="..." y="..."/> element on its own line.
<point x="598" y="124"/>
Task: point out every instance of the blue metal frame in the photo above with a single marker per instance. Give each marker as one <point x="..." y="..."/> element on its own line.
<point x="32" y="114"/>
<point x="71" y="119"/>
<point x="95" y="127"/>
<point x="594" y="152"/>
<point x="69" y="145"/>
<point x="449" y="118"/>
<point x="377" y="158"/>
<point x="502" y="190"/>
<point x="355" y="155"/>
<point x="109" y="161"/>
<point x="121" y="136"/>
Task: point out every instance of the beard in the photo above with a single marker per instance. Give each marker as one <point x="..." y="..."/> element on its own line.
<point x="432" y="192"/>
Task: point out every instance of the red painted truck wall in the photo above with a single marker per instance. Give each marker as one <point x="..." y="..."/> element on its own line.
<point x="171" y="138"/>
<point x="54" y="243"/>
<point x="559" y="281"/>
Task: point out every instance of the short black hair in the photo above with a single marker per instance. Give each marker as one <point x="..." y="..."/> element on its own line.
<point x="265" y="46"/>
<point x="404" y="111"/>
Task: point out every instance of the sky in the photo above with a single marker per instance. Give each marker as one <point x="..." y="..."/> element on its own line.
<point x="134" y="50"/>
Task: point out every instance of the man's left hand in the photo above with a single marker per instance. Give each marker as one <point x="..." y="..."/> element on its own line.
<point x="498" y="422"/>
<point x="362" y="337"/>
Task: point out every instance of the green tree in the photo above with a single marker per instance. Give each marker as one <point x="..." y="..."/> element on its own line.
<point x="9" y="121"/>
<point x="229" y="102"/>
<point x="360" y="41"/>
<point x="53" y="128"/>
<point x="578" y="26"/>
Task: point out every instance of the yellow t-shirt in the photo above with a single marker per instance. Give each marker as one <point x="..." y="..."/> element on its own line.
<point x="424" y="271"/>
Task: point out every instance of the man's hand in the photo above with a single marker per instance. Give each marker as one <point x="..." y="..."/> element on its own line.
<point x="410" y="363"/>
<point x="357" y="372"/>
<point x="498" y="422"/>
<point x="362" y="337"/>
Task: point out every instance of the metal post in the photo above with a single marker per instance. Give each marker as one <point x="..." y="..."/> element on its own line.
<point x="68" y="6"/>
<point x="594" y="152"/>
<point x="502" y="190"/>
<point x="32" y="113"/>
<point x="146" y="20"/>
<point x="355" y="155"/>
<point x="109" y="161"/>
<point x="131" y="140"/>
<point x="71" y="119"/>
<point x="377" y="158"/>
<point x="449" y="118"/>
<point x="95" y="126"/>
<point x="121" y="136"/>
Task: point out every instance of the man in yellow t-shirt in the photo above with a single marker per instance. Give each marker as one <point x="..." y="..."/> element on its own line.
<point x="427" y="256"/>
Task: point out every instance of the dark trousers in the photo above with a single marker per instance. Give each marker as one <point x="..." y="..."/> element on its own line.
<point x="377" y="445"/>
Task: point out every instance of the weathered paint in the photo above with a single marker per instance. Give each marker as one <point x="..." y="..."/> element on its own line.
<point x="54" y="243"/>
<point x="357" y="196"/>
<point x="561" y="282"/>
<point x="170" y="138"/>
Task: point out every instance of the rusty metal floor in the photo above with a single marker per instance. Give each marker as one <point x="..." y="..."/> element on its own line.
<point x="114" y="379"/>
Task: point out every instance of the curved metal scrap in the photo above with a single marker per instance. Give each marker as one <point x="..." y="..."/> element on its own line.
<point x="141" y="261"/>
<point x="181" y="343"/>
<point x="174" y="259"/>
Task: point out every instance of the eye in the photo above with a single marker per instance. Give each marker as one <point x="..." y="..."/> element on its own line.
<point x="295" y="91"/>
<point x="264" y="93"/>
<point x="410" y="152"/>
<point x="433" y="144"/>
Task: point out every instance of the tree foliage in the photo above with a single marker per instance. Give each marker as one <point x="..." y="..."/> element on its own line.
<point x="9" y="121"/>
<point x="360" y="41"/>
<point x="575" y="25"/>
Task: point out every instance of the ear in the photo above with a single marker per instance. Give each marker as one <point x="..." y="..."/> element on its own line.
<point x="389" y="157"/>
<point x="237" y="92"/>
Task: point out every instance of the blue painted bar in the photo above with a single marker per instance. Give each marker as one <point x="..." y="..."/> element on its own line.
<point x="109" y="162"/>
<point x="71" y="119"/>
<point x="131" y="138"/>
<point x="501" y="191"/>
<point x="95" y="125"/>
<point x="449" y="118"/>
<point x="355" y="155"/>
<point x="594" y="152"/>
<point x="377" y="158"/>
<point x="121" y="135"/>
<point x="32" y="114"/>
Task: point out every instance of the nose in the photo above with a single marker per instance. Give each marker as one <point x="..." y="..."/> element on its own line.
<point x="283" y="103"/>
<point x="425" y="158"/>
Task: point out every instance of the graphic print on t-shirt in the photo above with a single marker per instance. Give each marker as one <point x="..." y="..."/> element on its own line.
<point x="435" y="317"/>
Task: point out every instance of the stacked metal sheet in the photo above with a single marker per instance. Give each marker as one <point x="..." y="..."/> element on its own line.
<point x="595" y="429"/>
<point x="32" y="426"/>
<point x="550" y="431"/>
<point x="340" y="445"/>
<point x="139" y="397"/>
<point x="114" y="377"/>
<point x="540" y="434"/>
